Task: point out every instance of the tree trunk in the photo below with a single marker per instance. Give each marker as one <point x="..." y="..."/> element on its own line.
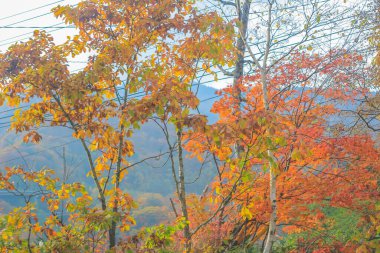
<point x="240" y="45"/>
<point x="272" y="176"/>
<point x="112" y="235"/>
<point x="243" y="14"/>
<point x="182" y="193"/>
<point x="273" y="218"/>
<point x="88" y="153"/>
<point x="112" y="230"/>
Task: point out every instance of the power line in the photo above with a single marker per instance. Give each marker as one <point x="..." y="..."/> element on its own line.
<point x="57" y="28"/>
<point x="28" y="19"/>
<point x="216" y="72"/>
<point x="65" y="144"/>
<point x="38" y="152"/>
<point x="63" y="27"/>
<point x="37" y="8"/>
<point x="21" y="35"/>
<point x="286" y="36"/>
<point x="12" y="109"/>
<point x="143" y="93"/>
<point x="279" y="9"/>
<point x="34" y="27"/>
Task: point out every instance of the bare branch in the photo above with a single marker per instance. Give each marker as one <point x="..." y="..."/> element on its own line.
<point x="225" y="72"/>
<point x="227" y="3"/>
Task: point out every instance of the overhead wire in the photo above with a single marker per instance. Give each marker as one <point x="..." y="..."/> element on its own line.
<point x="59" y="28"/>
<point x="63" y="27"/>
<point x="30" y="10"/>
<point x="65" y="144"/>
<point x="219" y="71"/>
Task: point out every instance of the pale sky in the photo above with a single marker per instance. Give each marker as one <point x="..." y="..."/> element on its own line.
<point x="9" y="8"/>
<point x="41" y="17"/>
<point x="9" y="36"/>
<point x="12" y="7"/>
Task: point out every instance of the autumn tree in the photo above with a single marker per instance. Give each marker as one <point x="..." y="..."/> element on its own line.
<point x="369" y="110"/>
<point x="309" y="154"/>
<point x="138" y="46"/>
<point x="267" y="34"/>
<point x="276" y="148"/>
<point x="26" y="231"/>
<point x="94" y="102"/>
<point x="206" y="41"/>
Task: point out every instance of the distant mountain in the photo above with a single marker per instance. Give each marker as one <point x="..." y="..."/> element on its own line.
<point x="150" y="176"/>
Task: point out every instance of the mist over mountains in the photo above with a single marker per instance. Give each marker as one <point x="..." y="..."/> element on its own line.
<point x="150" y="176"/>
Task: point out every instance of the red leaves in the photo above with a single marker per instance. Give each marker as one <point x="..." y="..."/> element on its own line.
<point x="33" y="137"/>
<point x="318" y="165"/>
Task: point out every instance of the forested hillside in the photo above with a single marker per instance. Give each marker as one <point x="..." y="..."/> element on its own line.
<point x="192" y="126"/>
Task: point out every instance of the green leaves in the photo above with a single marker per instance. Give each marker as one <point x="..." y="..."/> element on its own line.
<point x="318" y="19"/>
